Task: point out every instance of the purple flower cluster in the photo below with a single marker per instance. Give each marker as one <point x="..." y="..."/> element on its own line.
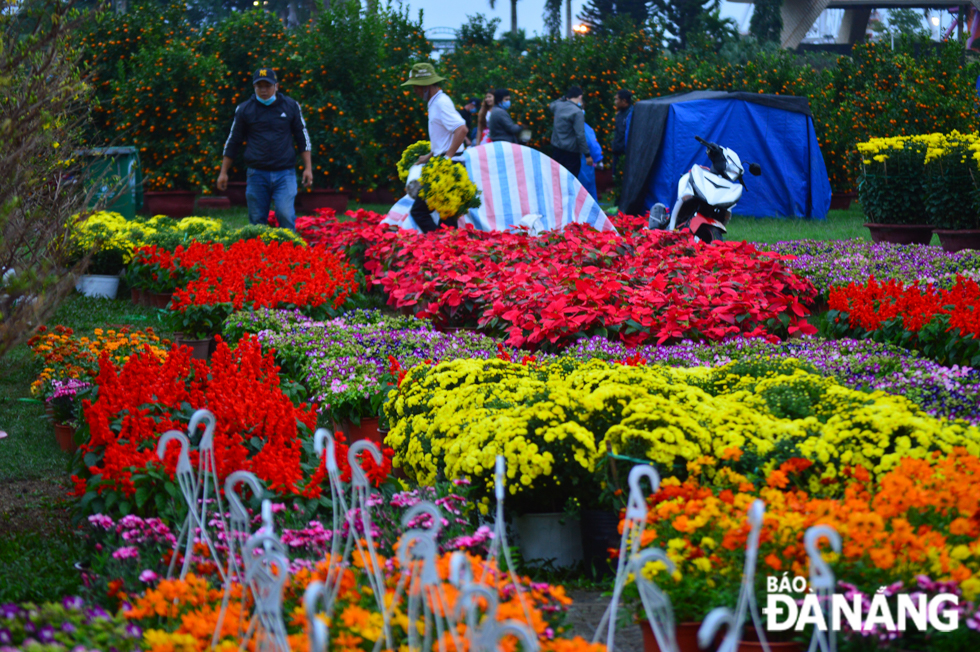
<point x="952" y="392"/>
<point x="827" y="263"/>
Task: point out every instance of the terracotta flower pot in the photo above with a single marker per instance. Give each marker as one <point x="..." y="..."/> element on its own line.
<point x="236" y="193"/>
<point x="65" y="436"/>
<point x="158" y="300"/>
<point x="750" y="642"/>
<point x="686" y="634"/>
<point x="213" y="203"/>
<point x="173" y="203"/>
<point x="958" y="240"/>
<point x="138" y="296"/>
<point x="308" y="201"/>
<point x="901" y="233"/>
<point x="200" y="349"/>
<point x="379" y="196"/>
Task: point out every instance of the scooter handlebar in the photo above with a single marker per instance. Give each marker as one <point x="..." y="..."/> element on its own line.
<point x="702" y="141"/>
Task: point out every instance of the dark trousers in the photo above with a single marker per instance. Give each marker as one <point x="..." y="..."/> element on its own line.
<point x="423" y="217"/>
<point x="571" y="161"/>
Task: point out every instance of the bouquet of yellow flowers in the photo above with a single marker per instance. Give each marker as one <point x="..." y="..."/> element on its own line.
<point x="447" y="188"/>
<point x="410" y="155"/>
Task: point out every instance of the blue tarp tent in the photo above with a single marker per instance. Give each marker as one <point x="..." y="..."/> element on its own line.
<point x="775" y="131"/>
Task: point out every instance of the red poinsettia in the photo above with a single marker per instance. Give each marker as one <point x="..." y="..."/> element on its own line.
<point x="642" y="286"/>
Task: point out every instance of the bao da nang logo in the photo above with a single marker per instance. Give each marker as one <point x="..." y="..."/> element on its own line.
<point x="885" y="610"/>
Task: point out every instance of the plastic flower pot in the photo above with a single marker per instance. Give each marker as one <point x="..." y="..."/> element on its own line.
<point x="65" y="436"/>
<point x="842" y="201"/>
<point x="236" y="193"/>
<point x="213" y="203"/>
<point x="599" y="534"/>
<point x="686" y="634"/>
<point x="901" y="233"/>
<point x="958" y="240"/>
<point x="200" y="349"/>
<point x="158" y="300"/>
<point x="98" y="285"/>
<point x="314" y="198"/>
<point x="173" y="203"/>
<point x="550" y="536"/>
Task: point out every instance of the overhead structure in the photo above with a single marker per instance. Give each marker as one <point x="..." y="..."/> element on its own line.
<point x="800" y="15"/>
<point x="443" y="39"/>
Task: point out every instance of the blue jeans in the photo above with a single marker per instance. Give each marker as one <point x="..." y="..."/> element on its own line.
<point x="267" y="186"/>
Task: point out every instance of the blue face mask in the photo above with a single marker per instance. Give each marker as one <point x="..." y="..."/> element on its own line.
<point x="266" y="102"/>
<point x="505" y="104"/>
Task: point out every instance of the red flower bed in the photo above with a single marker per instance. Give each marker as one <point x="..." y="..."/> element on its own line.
<point x="258" y="428"/>
<point x="943" y="324"/>
<point x="640" y="287"/>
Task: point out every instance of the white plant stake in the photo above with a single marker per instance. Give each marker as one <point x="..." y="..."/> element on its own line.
<point x="266" y="576"/>
<point x="635" y="523"/>
<point x="196" y="490"/>
<point x="723" y="616"/>
<point x="498" y="545"/>
<point x="656" y="604"/>
<point x="485" y="636"/>
<point x="822" y="583"/>
<point x="239" y="530"/>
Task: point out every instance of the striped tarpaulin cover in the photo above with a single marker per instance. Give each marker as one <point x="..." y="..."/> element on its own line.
<point x="515" y="181"/>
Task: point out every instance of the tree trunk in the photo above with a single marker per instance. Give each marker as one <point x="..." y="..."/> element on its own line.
<point x="513" y="17"/>
<point x="568" y="18"/>
<point x="372" y="6"/>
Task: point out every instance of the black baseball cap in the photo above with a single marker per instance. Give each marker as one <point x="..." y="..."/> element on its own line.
<point x="265" y="74"/>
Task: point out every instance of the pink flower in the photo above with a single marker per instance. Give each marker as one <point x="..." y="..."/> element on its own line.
<point x="126" y="552"/>
<point x="148" y="576"/>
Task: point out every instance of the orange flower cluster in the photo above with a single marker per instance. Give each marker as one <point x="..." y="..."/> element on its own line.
<point x="180" y="616"/>
<point x="923" y="517"/>
<point x="66" y="356"/>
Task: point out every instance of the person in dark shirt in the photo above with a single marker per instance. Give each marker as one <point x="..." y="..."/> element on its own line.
<point x="624" y="110"/>
<point x="467" y="113"/>
<point x="271" y="123"/>
<point x="502" y="127"/>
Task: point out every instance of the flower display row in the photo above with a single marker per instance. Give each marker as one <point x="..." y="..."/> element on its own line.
<point x="913" y="530"/>
<point x="348" y="364"/>
<point x="550" y="290"/>
<point x="66" y="356"/>
<point x="554" y="424"/>
<point x="952" y="392"/>
<point x="182" y="614"/>
<point x="211" y="281"/>
<point x="828" y="263"/>
<point x="944" y="324"/>
<point x="259" y="429"/>
<point x="917" y="179"/>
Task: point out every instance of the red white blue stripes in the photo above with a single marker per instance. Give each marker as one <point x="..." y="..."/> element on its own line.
<point x="515" y="181"/>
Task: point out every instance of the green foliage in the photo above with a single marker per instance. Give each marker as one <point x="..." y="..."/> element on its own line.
<point x="767" y="21"/>
<point x="893" y="192"/>
<point x="477" y="31"/>
<point x="952" y="189"/>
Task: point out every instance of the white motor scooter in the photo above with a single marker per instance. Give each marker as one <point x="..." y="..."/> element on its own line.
<point x="705" y="196"/>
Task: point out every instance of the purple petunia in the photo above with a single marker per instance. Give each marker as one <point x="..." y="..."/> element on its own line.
<point x="72" y="603"/>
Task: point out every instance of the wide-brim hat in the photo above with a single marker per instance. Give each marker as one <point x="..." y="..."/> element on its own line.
<point x="423" y="74"/>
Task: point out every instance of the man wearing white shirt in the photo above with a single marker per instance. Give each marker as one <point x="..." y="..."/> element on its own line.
<point x="447" y="131"/>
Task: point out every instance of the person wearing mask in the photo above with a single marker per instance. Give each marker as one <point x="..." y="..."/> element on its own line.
<point x="624" y="111"/>
<point x="270" y="122"/>
<point x="467" y="113"/>
<point x="568" y="142"/>
<point x="482" y="126"/>
<point x="447" y="131"/>
<point x="502" y="128"/>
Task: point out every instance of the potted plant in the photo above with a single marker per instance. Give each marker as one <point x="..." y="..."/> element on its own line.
<point x="892" y="192"/>
<point x="952" y="186"/>
<point x="196" y="325"/>
<point x="64" y="403"/>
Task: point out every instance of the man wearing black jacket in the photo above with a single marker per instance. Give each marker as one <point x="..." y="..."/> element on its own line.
<point x="270" y="122"/>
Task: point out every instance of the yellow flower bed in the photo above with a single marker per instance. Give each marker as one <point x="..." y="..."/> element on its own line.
<point x="554" y="423"/>
<point x="109" y="230"/>
<point x="878" y="149"/>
